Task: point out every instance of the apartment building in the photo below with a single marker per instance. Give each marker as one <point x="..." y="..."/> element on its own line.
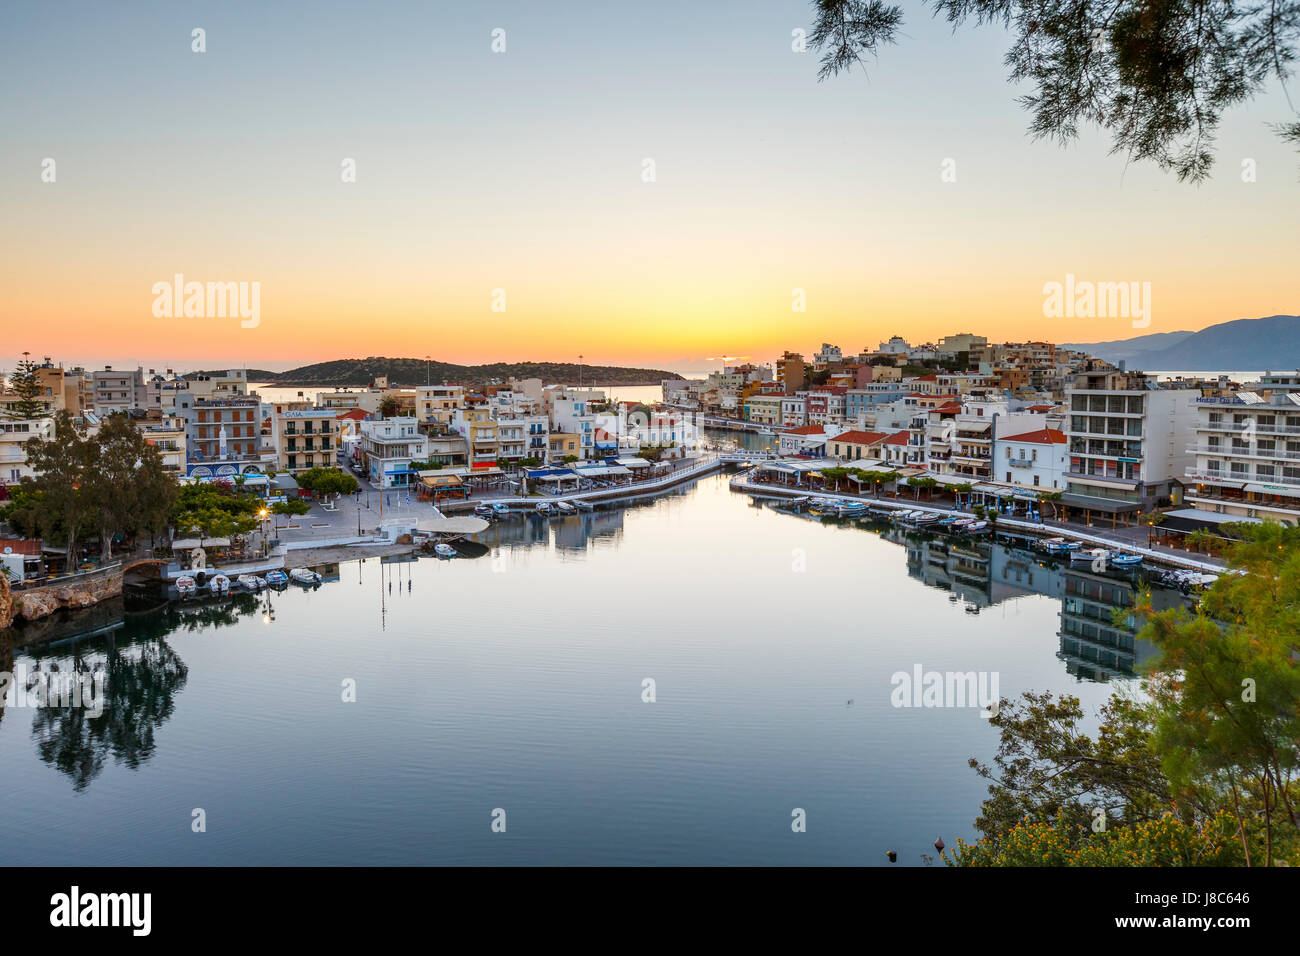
<point x="435" y="404"/>
<point x="167" y="436"/>
<point x="1247" y="451"/>
<point x="223" y="436"/>
<point x="306" y="438"/>
<point x="1128" y="438"/>
<point x="1035" y="459"/>
<point x="481" y="433"/>
<point x="14" y="436"/>
<point x="389" y="446"/>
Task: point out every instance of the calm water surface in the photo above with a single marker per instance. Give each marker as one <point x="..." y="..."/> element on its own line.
<point x="514" y="681"/>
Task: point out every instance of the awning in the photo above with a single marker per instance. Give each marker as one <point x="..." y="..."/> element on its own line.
<point x="180" y="544"/>
<point x="561" y="476"/>
<point x="602" y="471"/>
<point x="1106" y="505"/>
<point x="441" y="481"/>
<point x="992" y="490"/>
<point x="1272" y="490"/>
<point x="633" y="462"/>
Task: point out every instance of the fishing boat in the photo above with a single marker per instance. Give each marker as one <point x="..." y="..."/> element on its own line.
<point x="276" y="579"/>
<point x="949" y="520"/>
<point x="1090" y="556"/>
<point x="566" y="508"/>
<point x="483" y="510"/>
<point x="1125" y="560"/>
<point x="928" y="518"/>
<point x="304" y="576"/>
<point x="219" y="584"/>
<point x="500" y="509"/>
<point x="797" y="502"/>
<point x="250" y="582"/>
<point x="848" y="508"/>
<point x="185" y="585"/>
<point x="444" y="550"/>
<point x="543" y="508"/>
<point x="977" y="527"/>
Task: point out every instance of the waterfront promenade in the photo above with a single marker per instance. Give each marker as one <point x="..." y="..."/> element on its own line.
<point x="1129" y="539"/>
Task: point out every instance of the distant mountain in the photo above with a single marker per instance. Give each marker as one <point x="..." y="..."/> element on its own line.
<point x="410" y="372"/>
<point x="1243" y="344"/>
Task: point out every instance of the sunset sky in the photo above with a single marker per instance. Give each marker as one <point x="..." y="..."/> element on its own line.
<point x="522" y="171"/>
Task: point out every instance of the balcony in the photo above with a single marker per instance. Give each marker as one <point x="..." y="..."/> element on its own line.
<point x="1020" y="463"/>
<point x="1237" y="478"/>
<point x="1238" y="427"/>
<point x="1225" y="451"/>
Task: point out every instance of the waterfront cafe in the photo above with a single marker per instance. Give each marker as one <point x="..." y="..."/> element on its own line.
<point x="553" y="479"/>
<point x="438" y="485"/>
<point x="795" y="472"/>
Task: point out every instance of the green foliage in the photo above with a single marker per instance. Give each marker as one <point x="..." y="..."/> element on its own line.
<point x="291" y="506"/>
<point x="327" y="481"/>
<point x="214" y="510"/>
<point x="1155" y="74"/>
<point x="27" y="387"/>
<point x="1202" y="768"/>
<point x="1165" y="841"/>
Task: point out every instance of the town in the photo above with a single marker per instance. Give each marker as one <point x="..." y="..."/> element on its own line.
<point x="1121" y="460"/>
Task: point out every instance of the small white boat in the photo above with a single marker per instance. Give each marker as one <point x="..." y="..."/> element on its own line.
<point x="543" y="508"/>
<point x="219" y="584"/>
<point x="444" y="550"/>
<point x="566" y="508"/>
<point x="275" y="579"/>
<point x="250" y="582"/>
<point x="927" y="518"/>
<point x="975" y="527"/>
<point x="500" y="509"/>
<point x="1089" y="556"/>
<point x="304" y="576"/>
<point x="483" y="510"/>
<point x="185" y="585"/>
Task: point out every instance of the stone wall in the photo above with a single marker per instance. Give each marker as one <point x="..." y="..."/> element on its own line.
<point x="80" y="590"/>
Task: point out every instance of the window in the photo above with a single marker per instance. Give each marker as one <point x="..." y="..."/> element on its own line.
<point x="1036" y="480"/>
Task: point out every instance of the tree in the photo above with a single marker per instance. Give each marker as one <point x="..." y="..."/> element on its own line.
<point x="916" y="483"/>
<point x="390" y="406"/>
<point x="62" y="508"/>
<point x="212" y="510"/>
<point x="1213" y="745"/>
<point x="327" y="481"/>
<point x="25" y="384"/>
<point x="1155" y="74"/>
<point x="130" y="488"/>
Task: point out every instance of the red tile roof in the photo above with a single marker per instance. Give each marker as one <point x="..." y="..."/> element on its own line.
<point x="1044" y="436"/>
<point x="21" y="545"/>
<point x="861" y="438"/>
<point x="805" y="430"/>
<point x="898" y="438"/>
<point x="358" y="414"/>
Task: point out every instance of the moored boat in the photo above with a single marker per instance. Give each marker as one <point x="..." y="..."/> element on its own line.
<point x="444" y="550"/>
<point x="1090" y="556"/>
<point x="565" y="508"/>
<point x="483" y="510"/>
<point x="219" y="584"/>
<point x="250" y="582"/>
<point x="185" y="585"/>
<point x="304" y="576"/>
<point x="500" y="509"/>
<point x="543" y="508"/>
<point x="276" y="579"/>
<point x="1125" y="560"/>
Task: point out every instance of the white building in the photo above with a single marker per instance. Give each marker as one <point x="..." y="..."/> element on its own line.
<point x="1247" y="452"/>
<point x="1128" y="438"/>
<point x="1035" y="459"/>
<point x="389" y="445"/>
<point x="14" y="436"/>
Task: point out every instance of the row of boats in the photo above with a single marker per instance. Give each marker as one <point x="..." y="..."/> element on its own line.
<point x="188" y="585"/>
<point x="498" y="509"/>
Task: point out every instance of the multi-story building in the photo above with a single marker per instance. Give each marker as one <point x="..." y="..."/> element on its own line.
<point x="14" y="436"/>
<point x="223" y="436"/>
<point x="115" y="391"/>
<point x="435" y="404"/>
<point x="306" y="438"/>
<point x="480" y="430"/>
<point x="794" y="410"/>
<point x="790" y="372"/>
<point x="1247" y="451"/>
<point x="1035" y="459"/>
<point x="389" y="446"/>
<point x="167" y="436"/>
<point x="1128" y="438"/>
<point x="764" y="409"/>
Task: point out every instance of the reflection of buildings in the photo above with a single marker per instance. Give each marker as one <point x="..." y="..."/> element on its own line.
<point x="1092" y="644"/>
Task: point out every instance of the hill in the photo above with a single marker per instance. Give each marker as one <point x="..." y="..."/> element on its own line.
<point x="410" y="372"/>
<point x="1243" y="344"/>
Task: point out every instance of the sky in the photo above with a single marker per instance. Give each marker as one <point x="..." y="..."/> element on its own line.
<point x="501" y="209"/>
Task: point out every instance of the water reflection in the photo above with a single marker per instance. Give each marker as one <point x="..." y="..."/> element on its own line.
<point x="1094" y="645"/>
